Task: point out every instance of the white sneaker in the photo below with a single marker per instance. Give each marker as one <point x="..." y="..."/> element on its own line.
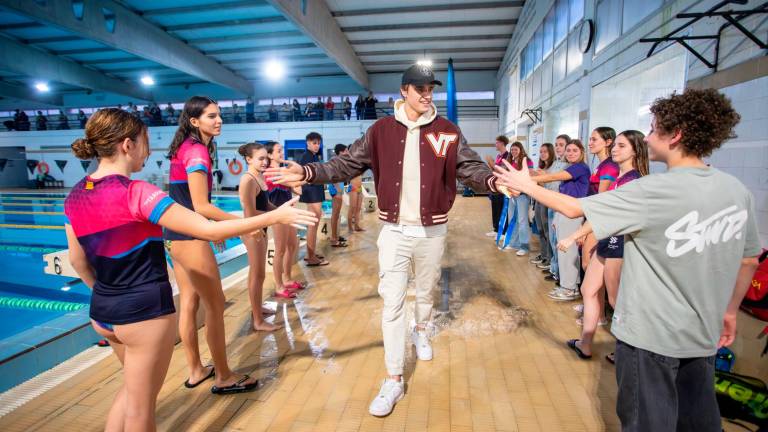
<point x="423" y="347"/>
<point x="506" y="249"/>
<point x="566" y="295"/>
<point x="391" y="393"/>
<point x="521" y="252"/>
<point x="490" y="234"/>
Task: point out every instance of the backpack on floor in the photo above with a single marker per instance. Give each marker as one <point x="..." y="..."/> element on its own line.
<point x="755" y="300"/>
<point x="724" y="359"/>
<point x="742" y="398"/>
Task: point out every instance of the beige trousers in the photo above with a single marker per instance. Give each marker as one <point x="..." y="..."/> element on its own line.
<point x="396" y="253"/>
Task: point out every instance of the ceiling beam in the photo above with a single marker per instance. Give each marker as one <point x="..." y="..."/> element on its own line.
<point x="423" y="25"/>
<point x="316" y="21"/>
<point x="252" y="59"/>
<point x="260" y="49"/>
<point x="432" y="51"/>
<point x="430" y="8"/>
<point x="229" y="7"/>
<point x="52" y="39"/>
<point x="245" y="37"/>
<point x="131" y="33"/>
<point x="459" y="38"/>
<point x="435" y="61"/>
<point x="226" y="23"/>
<point x="26" y="94"/>
<point x="30" y="62"/>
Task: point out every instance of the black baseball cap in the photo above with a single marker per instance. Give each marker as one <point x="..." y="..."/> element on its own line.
<point x="419" y="75"/>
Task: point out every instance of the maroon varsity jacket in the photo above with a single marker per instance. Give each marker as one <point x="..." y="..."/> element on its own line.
<point x="445" y="156"/>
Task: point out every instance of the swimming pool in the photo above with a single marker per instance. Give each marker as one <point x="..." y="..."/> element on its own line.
<point x="36" y="307"/>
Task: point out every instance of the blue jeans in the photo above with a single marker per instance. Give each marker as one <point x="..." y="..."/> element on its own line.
<point x="553" y="242"/>
<point x="521" y="235"/>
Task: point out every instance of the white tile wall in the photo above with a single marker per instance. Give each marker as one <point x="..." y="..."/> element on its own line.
<point x="746" y="156"/>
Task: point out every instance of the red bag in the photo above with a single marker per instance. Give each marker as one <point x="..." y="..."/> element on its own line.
<point x="755" y="301"/>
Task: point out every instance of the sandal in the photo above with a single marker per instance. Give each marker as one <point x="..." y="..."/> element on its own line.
<point x="572" y="345"/>
<point x="339" y="244"/>
<point x="317" y="256"/>
<point x="320" y="263"/>
<point x="294" y="286"/>
<point x="342" y="239"/>
<point x="210" y="375"/>
<point x="287" y="294"/>
<point x="238" y="387"/>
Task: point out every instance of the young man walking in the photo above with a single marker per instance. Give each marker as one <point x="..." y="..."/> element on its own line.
<point x="690" y="252"/>
<point x="416" y="157"/>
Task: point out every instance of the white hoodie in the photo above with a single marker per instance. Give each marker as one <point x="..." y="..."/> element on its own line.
<point x="410" y="193"/>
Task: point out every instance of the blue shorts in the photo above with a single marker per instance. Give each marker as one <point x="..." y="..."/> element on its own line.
<point x="611" y="247"/>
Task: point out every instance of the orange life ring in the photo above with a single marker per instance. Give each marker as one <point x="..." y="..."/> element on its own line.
<point x="235" y="167"/>
<point x="43" y="168"/>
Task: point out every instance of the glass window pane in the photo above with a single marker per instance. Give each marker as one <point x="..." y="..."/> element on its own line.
<point x="561" y="20"/>
<point x="608" y="23"/>
<point x="558" y="67"/>
<point x="576" y="12"/>
<point x="549" y="30"/>
<point x="537" y="46"/>
<point x="574" y="53"/>
<point x="636" y="11"/>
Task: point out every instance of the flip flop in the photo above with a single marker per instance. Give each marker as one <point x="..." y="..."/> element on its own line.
<point x="572" y="345"/>
<point x="187" y="384"/>
<point x="342" y="239"/>
<point x="322" y="263"/>
<point x="237" y="387"/>
<point x="287" y="294"/>
<point x="317" y="256"/>
<point x="295" y="286"/>
<point x="339" y="244"/>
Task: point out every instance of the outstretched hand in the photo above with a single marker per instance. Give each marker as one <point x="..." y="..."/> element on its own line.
<point x="512" y="179"/>
<point x="291" y="175"/>
<point x="289" y="215"/>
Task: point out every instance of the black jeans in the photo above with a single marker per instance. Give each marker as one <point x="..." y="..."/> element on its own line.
<point x="497" y="203"/>
<point x="659" y="393"/>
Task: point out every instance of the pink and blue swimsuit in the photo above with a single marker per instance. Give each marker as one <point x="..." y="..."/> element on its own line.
<point x="192" y="156"/>
<point x="115" y="220"/>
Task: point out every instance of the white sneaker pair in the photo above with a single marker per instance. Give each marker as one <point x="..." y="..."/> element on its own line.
<point x="392" y="391"/>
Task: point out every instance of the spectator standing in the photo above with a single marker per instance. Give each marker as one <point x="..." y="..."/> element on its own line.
<point x="329" y="108"/>
<point x="21" y="120"/>
<point x="170" y="114"/>
<point x="296" y="110"/>
<point x="359" y="106"/>
<point x="82" y="118"/>
<point x="286" y="112"/>
<point x="390" y="106"/>
<point x="249" y="110"/>
<point x="41" y="122"/>
<point x="63" y="120"/>
<point x="272" y="113"/>
<point x="370" y="106"/>
<point x="347" y="106"/>
<point x="156" y="115"/>
<point x="236" y="114"/>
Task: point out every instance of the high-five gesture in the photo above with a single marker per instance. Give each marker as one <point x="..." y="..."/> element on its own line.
<point x="514" y="180"/>
<point x="287" y="214"/>
<point x="291" y="175"/>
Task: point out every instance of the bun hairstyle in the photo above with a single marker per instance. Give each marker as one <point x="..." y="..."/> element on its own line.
<point x="105" y="130"/>
<point x="246" y="150"/>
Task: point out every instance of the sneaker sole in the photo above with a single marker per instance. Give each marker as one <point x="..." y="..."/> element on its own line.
<point x="375" y="414"/>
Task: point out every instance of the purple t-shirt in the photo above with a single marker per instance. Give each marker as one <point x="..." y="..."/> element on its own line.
<point x="577" y="186"/>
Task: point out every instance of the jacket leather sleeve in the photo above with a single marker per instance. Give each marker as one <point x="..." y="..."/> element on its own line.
<point x="343" y="167"/>
<point x="471" y="170"/>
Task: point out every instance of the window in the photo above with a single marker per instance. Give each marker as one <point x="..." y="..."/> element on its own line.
<point x="537" y="47"/>
<point x="478" y="95"/>
<point x="636" y="11"/>
<point x="549" y="32"/>
<point x="574" y="53"/>
<point x="225" y="104"/>
<point x="561" y="21"/>
<point x="576" y="12"/>
<point x="608" y="22"/>
<point x="558" y="66"/>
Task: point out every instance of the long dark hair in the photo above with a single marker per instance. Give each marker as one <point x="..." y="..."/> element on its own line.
<point x="544" y="164"/>
<point x="637" y="141"/>
<point x="519" y="162"/>
<point x="193" y="108"/>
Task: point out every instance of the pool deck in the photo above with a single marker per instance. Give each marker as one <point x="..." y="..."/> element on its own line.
<point x="500" y="359"/>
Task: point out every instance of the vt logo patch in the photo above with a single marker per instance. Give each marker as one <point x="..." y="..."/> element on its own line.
<point x="441" y="142"/>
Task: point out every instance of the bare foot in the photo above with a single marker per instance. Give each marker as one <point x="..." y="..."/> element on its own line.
<point x="266" y="327"/>
<point x="268" y="312"/>
<point x="233" y="379"/>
